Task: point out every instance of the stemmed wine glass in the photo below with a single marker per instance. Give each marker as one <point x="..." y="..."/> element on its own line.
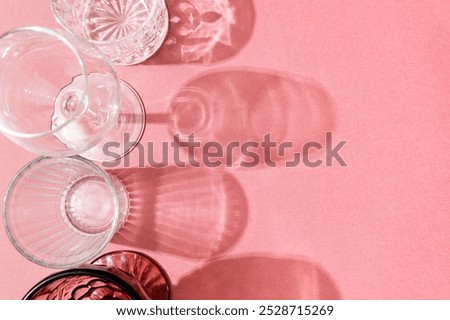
<point x="59" y="95"/>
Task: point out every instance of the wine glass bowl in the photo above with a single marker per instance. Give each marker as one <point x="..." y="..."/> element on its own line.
<point x="60" y="96"/>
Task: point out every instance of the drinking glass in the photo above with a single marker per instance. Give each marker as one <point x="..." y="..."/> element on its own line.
<point x="119" y="275"/>
<point x="61" y="212"/>
<point x="127" y="31"/>
<point x="59" y="95"/>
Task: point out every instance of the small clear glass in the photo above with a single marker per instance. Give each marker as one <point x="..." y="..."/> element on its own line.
<point x="127" y="31"/>
<point x="119" y="275"/>
<point x="59" y="96"/>
<point x="61" y="212"/>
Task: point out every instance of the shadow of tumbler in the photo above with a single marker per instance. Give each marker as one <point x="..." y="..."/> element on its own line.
<point x="188" y="212"/>
<point x="257" y="278"/>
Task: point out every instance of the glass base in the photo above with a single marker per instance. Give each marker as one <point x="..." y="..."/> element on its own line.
<point x="143" y="269"/>
<point x="191" y="113"/>
<point x="128" y="131"/>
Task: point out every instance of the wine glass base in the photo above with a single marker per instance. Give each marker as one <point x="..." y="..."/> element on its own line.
<point x="128" y="131"/>
<point x="142" y="268"/>
<point x="191" y="113"/>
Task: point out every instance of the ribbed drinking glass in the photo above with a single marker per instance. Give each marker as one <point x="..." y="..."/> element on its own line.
<point x="61" y="212"/>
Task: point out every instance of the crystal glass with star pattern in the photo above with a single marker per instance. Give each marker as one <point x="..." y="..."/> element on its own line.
<point x="127" y="31"/>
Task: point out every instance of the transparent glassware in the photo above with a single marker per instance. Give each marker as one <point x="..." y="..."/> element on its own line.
<point x="119" y="275"/>
<point x="61" y="212"/>
<point x="127" y="31"/>
<point x="59" y="95"/>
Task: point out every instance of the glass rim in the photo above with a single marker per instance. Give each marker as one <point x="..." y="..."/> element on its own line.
<point x="88" y="271"/>
<point x="162" y="271"/>
<point x="62" y="38"/>
<point x="98" y="42"/>
<point x="22" y="249"/>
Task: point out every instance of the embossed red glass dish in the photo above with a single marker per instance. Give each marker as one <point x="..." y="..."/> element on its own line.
<point x="119" y="275"/>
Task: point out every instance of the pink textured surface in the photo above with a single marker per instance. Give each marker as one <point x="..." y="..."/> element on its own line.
<point x="378" y="229"/>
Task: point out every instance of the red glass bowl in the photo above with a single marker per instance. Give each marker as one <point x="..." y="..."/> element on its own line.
<point x="119" y="275"/>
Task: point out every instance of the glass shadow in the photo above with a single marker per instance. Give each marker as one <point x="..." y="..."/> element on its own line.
<point x="187" y="212"/>
<point x="229" y="107"/>
<point x="257" y="277"/>
<point x="205" y="31"/>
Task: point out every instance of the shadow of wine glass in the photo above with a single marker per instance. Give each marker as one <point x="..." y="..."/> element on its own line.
<point x="225" y="107"/>
<point x="205" y="31"/>
<point x="257" y="277"/>
<point x="188" y="212"/>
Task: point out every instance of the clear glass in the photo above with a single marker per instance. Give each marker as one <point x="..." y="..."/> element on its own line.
<point x="119" y="275"/>
<point x="59" y="96"/>
<point x="127" y="31"/>
<point x="61" y="212"/>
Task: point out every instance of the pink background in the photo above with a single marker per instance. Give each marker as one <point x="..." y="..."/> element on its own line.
<point x="377" y="229"/>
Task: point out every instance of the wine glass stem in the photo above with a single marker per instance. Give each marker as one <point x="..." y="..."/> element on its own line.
<point x="155" y="118"/>
<point x="162" y="118"/>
